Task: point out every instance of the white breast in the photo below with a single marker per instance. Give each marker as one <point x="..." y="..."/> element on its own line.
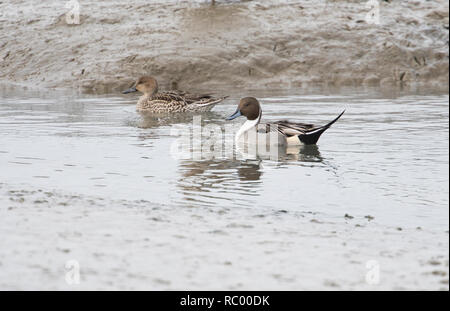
<point x="248" y="125"/>
<point x="249" y="134"/>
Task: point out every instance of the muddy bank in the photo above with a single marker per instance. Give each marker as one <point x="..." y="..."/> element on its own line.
<point x="250" y="44"/>
<point x="130" y="245"/>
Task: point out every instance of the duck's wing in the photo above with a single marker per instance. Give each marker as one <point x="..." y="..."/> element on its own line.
<point x="292" y="128"/>
<point x="307" y="133"/>
<point x="190" y="97"/>
<point x="197" y="100"/>
<point x="203" y="104"/>
<point x="267" y="128"/>
<point x="167" y="97"/>
<point x="206" y="101"/>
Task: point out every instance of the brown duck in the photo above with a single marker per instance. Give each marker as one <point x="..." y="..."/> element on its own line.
<point x="172" y="101"/>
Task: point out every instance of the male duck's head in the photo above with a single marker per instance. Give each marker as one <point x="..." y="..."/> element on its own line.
<point x="248" y="107"/>
<point x="146" y="85"/>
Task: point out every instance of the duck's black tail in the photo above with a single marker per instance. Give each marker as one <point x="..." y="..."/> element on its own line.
<point x="312" y="136"/>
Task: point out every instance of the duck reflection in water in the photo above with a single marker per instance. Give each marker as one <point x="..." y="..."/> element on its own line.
<point x="224" y="176"/>
<point x="237" y="175"/>
<point x="282" y="154"/>
<point x="305" y="153"/>
<point x="151" y="120"/>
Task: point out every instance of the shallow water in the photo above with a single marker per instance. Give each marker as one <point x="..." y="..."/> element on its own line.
<point x="387" y="157"/>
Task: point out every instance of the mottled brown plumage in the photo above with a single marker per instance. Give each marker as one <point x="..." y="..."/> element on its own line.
<point x="172" y="101"/>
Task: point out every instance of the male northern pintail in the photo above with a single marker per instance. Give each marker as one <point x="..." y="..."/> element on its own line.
<point x="275" y="133"/>
<point x="171" y="101"/>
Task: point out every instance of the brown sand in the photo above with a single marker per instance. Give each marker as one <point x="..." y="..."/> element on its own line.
<point x="246" y="44"/>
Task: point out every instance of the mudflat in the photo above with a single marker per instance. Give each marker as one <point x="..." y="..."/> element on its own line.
<point x="251" y="44"/>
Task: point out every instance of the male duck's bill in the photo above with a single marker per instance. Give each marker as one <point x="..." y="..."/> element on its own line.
<point x="234" y="115"/>
<point x="286" y="133"/>
<point x="167" y="102"/>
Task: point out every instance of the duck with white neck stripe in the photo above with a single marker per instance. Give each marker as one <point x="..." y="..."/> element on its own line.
<point x="284" y="133"/>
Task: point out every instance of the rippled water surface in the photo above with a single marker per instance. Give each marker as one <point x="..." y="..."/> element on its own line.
<point x="387" y="157"/>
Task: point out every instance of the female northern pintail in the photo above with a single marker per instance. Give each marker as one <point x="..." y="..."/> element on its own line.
<point x="172" y="101"/>
<point x="275" y="133"/>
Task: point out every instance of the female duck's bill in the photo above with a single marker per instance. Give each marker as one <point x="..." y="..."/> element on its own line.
<point x="287" y="133"/>
<point x="130" y="90"/>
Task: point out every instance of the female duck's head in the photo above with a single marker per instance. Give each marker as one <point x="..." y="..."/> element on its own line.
<point x="146" y="85"/>
<point x="248" y="107"/>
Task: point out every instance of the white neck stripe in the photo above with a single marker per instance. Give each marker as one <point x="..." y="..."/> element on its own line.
<point x="249" y="124"/>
